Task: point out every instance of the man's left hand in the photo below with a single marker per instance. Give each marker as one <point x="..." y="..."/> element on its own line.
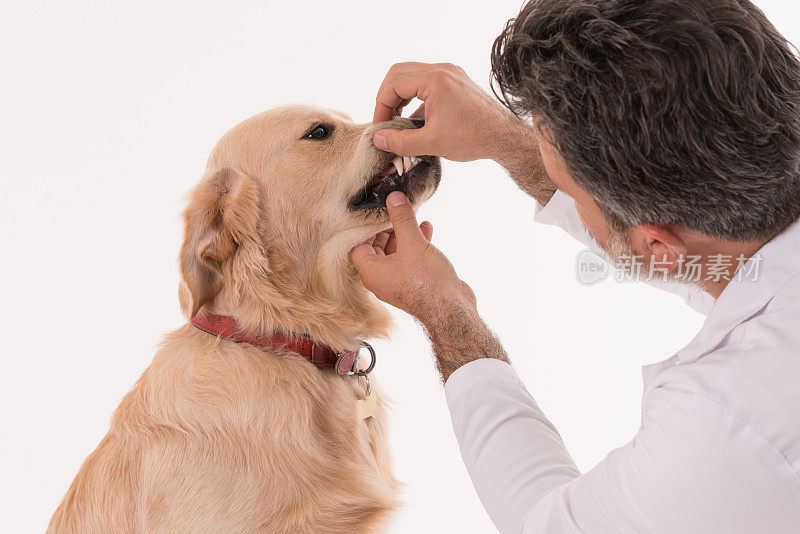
<point x="402" y="268"/>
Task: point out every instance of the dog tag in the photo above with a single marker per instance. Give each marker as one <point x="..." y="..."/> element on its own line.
<point x="367" y="407"/>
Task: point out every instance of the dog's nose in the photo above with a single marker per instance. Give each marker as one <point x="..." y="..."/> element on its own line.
<point x="418" y="123"/>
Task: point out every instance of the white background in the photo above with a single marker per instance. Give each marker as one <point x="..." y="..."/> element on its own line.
<point x="107" y="113"/>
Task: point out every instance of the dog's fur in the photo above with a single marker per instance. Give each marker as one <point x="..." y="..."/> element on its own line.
<point x="224" y="437"/>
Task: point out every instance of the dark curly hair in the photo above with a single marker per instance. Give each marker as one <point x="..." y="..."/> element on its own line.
<point x="664" y="111"/>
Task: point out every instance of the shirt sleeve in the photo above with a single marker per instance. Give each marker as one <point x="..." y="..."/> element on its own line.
<point x="692" y="466"/>
<point x="560" y="211"/>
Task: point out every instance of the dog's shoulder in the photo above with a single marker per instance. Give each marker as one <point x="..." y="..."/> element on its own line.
<point x="197" y="382"/>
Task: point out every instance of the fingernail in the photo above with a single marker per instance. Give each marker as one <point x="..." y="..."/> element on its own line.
<point x="379" y="141"/>
<point x="396" y="198"/>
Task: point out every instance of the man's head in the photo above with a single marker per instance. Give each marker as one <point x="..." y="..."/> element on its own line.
<point x="666" y="115"/>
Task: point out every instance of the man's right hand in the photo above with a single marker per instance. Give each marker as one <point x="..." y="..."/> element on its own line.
<point x="462" y="122"/>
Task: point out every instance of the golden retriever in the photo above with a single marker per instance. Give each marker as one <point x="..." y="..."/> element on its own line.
<point x="226" y="436"/>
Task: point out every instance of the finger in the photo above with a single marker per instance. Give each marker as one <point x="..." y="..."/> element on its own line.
<point x="397" y="111"/>
<point x="408" y="142"/>
<point x="391" y="244"/>
<point x="427" y="230"/>
<point x="399" y="88"/>
<point x="409" y="66"/>
<point x="384" y="112"/>
<point x="380" y="240"/>
<point x="364" y="257"/>
<point x="403" y="219"/>
<point x="419" y="113"/>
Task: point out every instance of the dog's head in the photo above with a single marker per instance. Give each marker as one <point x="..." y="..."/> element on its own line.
<point x="286" y="195"/>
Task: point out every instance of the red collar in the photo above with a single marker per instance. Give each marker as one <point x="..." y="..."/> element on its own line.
<point x="320" y="355"/>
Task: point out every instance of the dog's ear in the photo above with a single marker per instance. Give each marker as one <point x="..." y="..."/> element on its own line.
<point x="223" y="212"/>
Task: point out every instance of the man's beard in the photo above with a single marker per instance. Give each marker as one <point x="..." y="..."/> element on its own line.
<point x="618" y="248"/>
<point x="619" y="251"/>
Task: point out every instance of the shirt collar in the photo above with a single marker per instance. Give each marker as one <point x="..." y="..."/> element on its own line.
<point x="744" y="297"/>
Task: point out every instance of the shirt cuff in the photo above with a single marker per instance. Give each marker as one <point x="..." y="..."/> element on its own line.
<point x="478" y="372"/>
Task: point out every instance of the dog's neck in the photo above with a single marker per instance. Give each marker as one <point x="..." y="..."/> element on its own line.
<point x="325" y="301"/>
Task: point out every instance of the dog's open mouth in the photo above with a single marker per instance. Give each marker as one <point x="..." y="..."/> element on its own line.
<point x="411" y="175"/>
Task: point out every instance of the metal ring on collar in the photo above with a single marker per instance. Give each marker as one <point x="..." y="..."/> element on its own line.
<point x="373" y="359"/>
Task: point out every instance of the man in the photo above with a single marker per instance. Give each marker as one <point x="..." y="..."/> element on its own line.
<point x="662" y="129"/>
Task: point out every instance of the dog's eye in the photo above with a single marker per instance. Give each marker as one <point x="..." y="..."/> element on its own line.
<point x="320" y="131"/>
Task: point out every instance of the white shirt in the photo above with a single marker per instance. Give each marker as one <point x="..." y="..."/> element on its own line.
<point x="718" y="449"/>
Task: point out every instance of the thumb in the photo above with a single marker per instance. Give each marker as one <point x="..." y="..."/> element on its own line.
<point x="403" y="218"/>
<point x="409" y="142"/>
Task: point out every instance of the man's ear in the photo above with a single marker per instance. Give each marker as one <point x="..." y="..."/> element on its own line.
<point x="665" y="244"/>
<point x="223" y="212"/>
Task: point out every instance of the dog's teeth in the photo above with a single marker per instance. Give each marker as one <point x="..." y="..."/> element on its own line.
<point x="398" y="164"/>
<point x="407" y="163"/>
<point x="414" y="160"/>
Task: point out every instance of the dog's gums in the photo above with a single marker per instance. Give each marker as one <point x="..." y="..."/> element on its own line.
<point x="409" y="175"/>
